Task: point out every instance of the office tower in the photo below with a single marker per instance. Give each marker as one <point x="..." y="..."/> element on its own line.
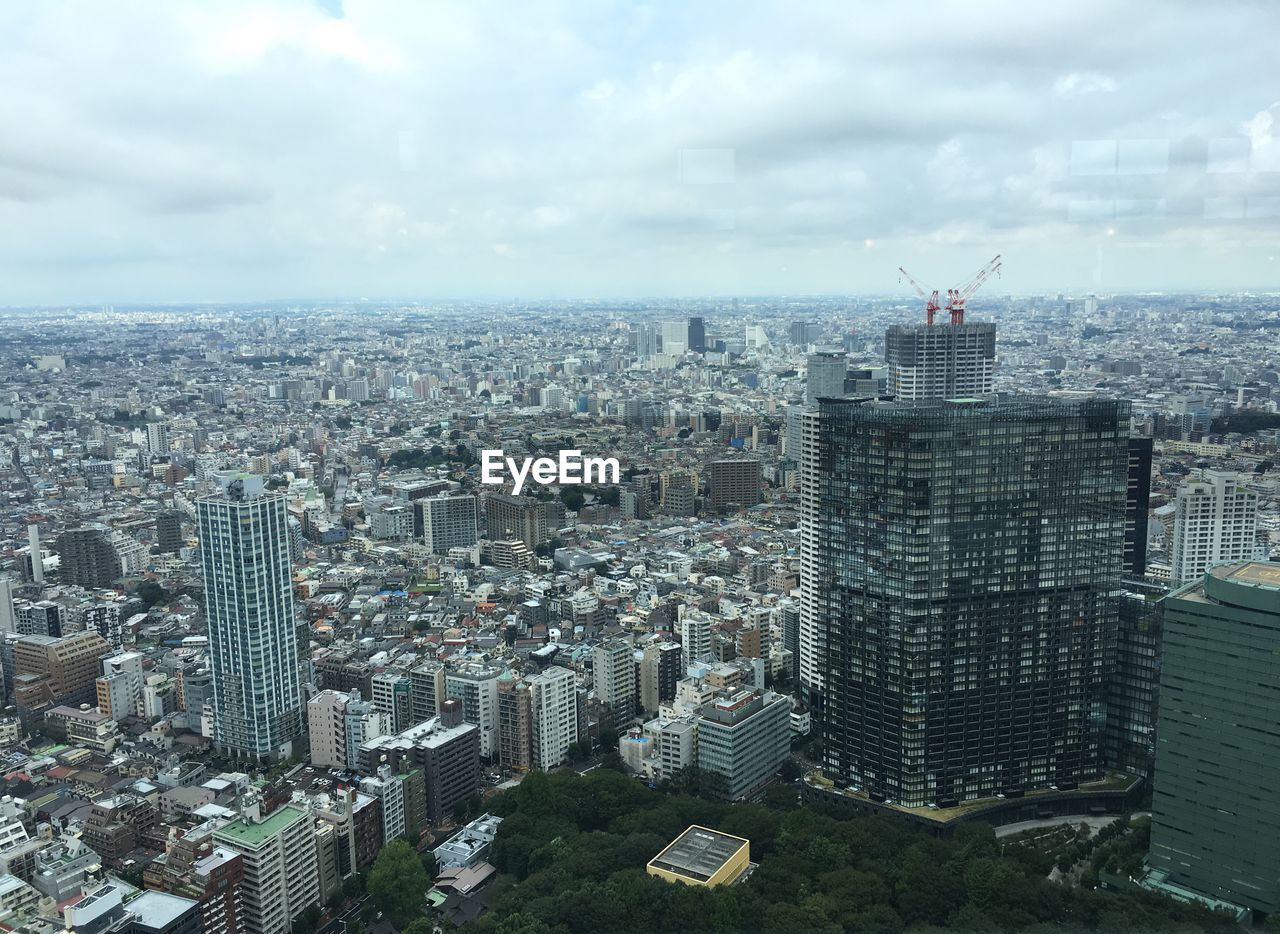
<point x="157" y="437"/>
<point x="1215" y="817"/>
<point x="803" y="333"/>
<point x="119" y="688"/>
<point x="941" y="361"/>
<point x="88" y="560"/>
<point x="1190" y="416"/>
<point x="675" y="337"/>
<point x="659" y="672"/>
<point x="444" y="522"/>
<point x="824" y="376"/>
<point x="789" y="612"/>
<point x="1133" y="681"/>
<point x="281" y="872"/>
<point x="515" y="722"/>
<point x="743" y="737"/>
<point x="1137" y="504"/>
<point x="476" y="686"/>
<point x="555" y="716"/>
<point x="965" y="556"/>
<point x="694" y="627"/>
<point x="35" y="556"/>
<point x="1216" y="520"/>
<point x="755" y="338"/>
<point x="734" y="481"/>
<point x="866" y="381"/>
<point x="697" y="336"/>
<point x="253" y="635"/>
<point x="613" y="676"/>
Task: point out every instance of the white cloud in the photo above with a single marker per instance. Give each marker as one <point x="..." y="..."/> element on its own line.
<point x="1082" y="84"/>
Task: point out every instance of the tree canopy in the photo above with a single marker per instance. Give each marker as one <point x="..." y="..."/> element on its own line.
<point x="398" y="883"/>
<point x="572" y="851"/>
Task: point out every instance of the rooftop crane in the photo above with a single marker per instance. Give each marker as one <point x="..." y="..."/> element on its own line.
<point x="931" y="305"/>
<point x="958" y="296"/>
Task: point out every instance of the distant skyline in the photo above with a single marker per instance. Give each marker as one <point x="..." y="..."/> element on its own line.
<point x="234" y="152"/>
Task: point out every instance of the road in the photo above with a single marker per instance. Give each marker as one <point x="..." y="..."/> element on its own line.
<point x="339" y="924"/>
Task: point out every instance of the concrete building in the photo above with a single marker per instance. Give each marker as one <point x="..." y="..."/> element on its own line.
<point x="824" y="376"/>
<point x="734" y="482"/>
<point x="281" y="875"/>
<point x="1216" y="521"/>
<point x="515" y="722"/>
<point x="53" y="670"/>
<point x="476" y="686"/>
<point x="660" y="671"/>
<point x="444" y="522"/>
<point x="743" y="737"/>
<point x="613" y="675"/>
<point x="88" y="559"/>
<point x="326" y="729"/>
<point x="701" y="856"/>
<point x="554" y="694"/>
<point x="941" y="361"/>
<point x="194" y="867"/>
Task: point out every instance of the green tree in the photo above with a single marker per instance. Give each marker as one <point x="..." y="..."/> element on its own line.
<point x="398" y="883"/>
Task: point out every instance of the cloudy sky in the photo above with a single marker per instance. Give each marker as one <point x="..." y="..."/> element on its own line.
<point x="222" y="151"/>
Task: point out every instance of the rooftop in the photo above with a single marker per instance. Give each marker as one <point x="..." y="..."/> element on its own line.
<point x="698" y="853"/>
<point x="254" y="835"/>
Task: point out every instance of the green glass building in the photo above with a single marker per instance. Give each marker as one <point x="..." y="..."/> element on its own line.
<point x="1215" y="828"/>
<point x="966" y="555"/>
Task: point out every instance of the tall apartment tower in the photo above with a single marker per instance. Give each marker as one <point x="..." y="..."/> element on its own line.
<point x="659" y="673"/>
<point x="824" y="378"/>
<point x="613" y="670"/>
<point x="555" y="715"/>
<point x="966" y="554"/>
<point x="695" y="637"/>
<point x="169" y="532"/>
<point x="941" y="361"/>
<point x="1216" y="520"/>
<point x="253" y="637"/>
<point x="734" y="481"/>
<point x="1215" y="817"/>
<point x="445" y="522"/>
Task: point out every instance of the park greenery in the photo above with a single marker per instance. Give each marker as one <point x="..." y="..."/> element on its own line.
<point x="572" y="851"/>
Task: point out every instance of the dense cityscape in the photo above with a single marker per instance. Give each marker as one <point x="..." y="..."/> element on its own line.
<point x="995" y="595"/>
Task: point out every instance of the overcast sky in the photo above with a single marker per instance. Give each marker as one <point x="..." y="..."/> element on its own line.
<point x="224" y="151"/>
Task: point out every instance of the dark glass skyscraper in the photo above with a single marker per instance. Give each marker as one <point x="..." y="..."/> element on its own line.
<point x="965" y="553"/>
<point x="697" y="335"/>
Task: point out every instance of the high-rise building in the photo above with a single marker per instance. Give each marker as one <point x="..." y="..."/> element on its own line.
<point x="253" y="634"/>
<point x="8" y="622"/>
<point x="734" y="481"/>
<point x="1215" y="817"/>
<point x="521" y="518"/>
<point x="515" y="722"/>
<point x="965" y="557"/>
<point x="87" y="558"/>
<point x="391" y="695"/>
<point x="555" y="715"/>
<point x="824" y="376"/>
<point x="157" y="437"/>
<point x="193" y="867"/>
<point x="1216" y="521"/>
<point x="613" y="674"/>
<point x="281" y="873"/>
<point x="743" y="737"/>
<point x="169" y="532"/>
<point x="697" y="335"/>
<point x="675" y="337"/>
<point x="476" y="686"/>
<point x="444" y="522"/>
<point x="426" y="690"/>
<point x="53" y="670"/>
<point x="1137" y="505"/>
<point x="326" y="729"/>
<point x="695" y="637"/>
<point x="648" y="339"/>
<point x="1133" y="681"/>
<point x="803" y="333"/>
<point x="659" y="672"/>
<point x="941" y="361"/>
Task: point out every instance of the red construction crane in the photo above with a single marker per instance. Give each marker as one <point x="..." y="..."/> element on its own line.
<point x="931" y="305"/>
<point x="958" y="296"/>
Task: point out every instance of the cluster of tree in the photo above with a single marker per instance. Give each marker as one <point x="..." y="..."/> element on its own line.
<point x="434" y="456"/>
<point x="572" y="852"/>
<point x="1087" y="844"/>
<point x="575" y="497"/>
<point x="1245" y="422"/>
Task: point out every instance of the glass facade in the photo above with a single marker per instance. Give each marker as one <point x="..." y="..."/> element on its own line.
<point x="965" y="555"/>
